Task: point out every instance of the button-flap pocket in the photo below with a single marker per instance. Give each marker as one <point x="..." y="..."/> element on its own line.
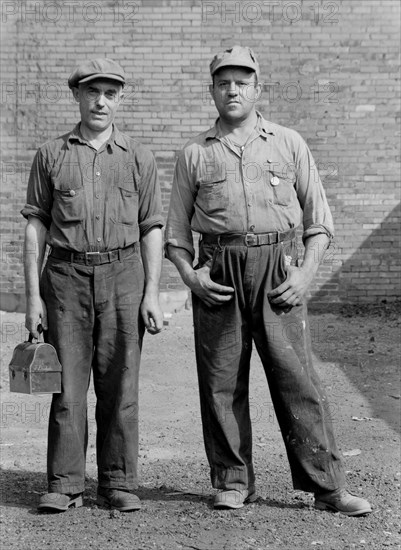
<point x="213" y="190"/>
<point x="215" y="175"/>
<point x="68" y="204"/>
<point x="125" y="204"/>
<point x="280" y="185"/>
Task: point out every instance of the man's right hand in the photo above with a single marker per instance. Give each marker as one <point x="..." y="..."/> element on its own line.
<point x="198" y="280"/>
<point x="36" y="314"/>
<point x="207" y="290"/>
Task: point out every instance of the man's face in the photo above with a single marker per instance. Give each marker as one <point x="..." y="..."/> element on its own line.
<point x="98" y="103"/>
<point x="235" y="93"/>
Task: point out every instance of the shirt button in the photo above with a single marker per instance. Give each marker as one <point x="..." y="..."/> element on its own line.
<point x="72" y="193"/>
<point x="98" y="217"/>
<point x="97" y="195"/>
<point x="252" y="228"/>
<point x="98" y="173"/>
<point x="275" y="180"/>
<point x="98" y="239"/>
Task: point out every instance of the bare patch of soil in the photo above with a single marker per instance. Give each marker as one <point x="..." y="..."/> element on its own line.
<point x="357" y="355"/>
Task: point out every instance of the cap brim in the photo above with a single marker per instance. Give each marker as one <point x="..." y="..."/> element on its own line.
<point x="223" y="65"/>
<point x="102" y="76"/>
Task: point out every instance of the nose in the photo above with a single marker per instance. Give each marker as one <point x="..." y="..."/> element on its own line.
<point x="233" y="90"/>
<point x="100" y="100"/>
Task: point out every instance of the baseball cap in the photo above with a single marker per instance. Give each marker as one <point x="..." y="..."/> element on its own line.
<point x="97" y="68"/>
<point x="237" y="56"/>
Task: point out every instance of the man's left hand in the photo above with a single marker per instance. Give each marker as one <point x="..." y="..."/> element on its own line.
<point x="152" y="314"/>
<point x="292" y="291"/>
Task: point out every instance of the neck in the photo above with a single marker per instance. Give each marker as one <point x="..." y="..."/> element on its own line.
<point x="239" y="127"/>
<point x="96" y="139"/>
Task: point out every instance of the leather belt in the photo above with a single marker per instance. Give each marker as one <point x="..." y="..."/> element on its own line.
<point x="248" y="239"/>
<point x="93" y="258"/>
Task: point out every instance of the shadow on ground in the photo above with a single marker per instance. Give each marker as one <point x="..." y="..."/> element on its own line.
<point x="22" y="489"/>
<point x="364" y="341"/>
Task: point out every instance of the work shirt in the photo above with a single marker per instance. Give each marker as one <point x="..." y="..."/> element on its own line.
<point x="270" y="184"/>
<point x="94" y="200"/>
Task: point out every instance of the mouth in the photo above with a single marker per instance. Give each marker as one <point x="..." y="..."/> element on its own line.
<point x="99" y="113"/>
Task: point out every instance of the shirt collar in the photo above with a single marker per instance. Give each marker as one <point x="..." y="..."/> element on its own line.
<point x="75" y="135"/>
<point x="263" y="126"/>
<point x="116" y="137"/>
<point x="119" y="138"/>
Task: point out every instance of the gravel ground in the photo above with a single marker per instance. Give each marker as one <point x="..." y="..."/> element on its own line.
<point x="357" y="355"/>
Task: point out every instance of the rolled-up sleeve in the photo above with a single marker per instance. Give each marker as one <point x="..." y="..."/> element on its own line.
<point x="183" y="194"/>
<point x="39" y="193"/>
<point x="317" y="217"/>
<point x="150" y="204"/>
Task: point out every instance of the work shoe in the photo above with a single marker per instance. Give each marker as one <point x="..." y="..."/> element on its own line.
<point x="117" y="499"/>
<point x="233" y="498"/>
<point x="342" y="501"/>
<point x="58" y="502"/>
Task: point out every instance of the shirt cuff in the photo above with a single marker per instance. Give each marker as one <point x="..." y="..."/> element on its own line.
<point x="179" y="244"/>
<point x="30" y="210"/>
<point x="147" y="224"/>
<point x="317" y="230"/>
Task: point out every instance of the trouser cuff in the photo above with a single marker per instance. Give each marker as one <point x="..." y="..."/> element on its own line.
<point x="236" y="477"/>
<point x="66" y="488"/>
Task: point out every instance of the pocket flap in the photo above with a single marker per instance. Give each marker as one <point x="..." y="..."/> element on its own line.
<point x="217" y="175"/>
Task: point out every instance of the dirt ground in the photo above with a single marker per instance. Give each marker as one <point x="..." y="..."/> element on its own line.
<point x="357" y="355"/>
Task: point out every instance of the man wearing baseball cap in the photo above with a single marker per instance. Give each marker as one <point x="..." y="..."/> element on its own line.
<point x="93" y="198"/>
<point x="245" y="185"/>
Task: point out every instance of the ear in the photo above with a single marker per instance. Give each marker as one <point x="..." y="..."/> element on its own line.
<point x="258" y="91"/>
<point x="211" y="90"/>
<point x="75" y="93"/>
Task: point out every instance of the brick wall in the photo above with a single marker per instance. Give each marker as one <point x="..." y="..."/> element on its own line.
<point x="329" y="69"/>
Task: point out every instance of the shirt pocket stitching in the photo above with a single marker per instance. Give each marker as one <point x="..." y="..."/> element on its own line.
<point x="68" y="208"/>
<point x="213" y="190"/>
<point x="125" y="205"/>
<point x="282" y="193"/>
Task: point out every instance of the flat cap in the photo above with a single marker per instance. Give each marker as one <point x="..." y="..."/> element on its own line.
<point x="97" y="68"/>
<point x="237" y="56"/>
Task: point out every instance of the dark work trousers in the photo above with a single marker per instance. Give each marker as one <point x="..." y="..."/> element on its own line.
<point x="223" y="343"/>
<point x="94" y="324"/>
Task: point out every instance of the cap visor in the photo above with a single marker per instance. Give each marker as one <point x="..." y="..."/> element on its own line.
<point x="102" y="76"/>
<point x="236" y="64"/>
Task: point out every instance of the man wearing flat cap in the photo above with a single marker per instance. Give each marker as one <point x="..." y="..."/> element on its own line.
<point x="245" y="185"/>
<point x="93" y="198"/>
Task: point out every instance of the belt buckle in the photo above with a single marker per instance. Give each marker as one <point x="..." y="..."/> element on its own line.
<point x="90" y="256"/>
<point x="251" y="239"/>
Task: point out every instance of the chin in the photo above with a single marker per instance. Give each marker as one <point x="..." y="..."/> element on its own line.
<point x="235" y="114"/>
<point x="99" y="127"/>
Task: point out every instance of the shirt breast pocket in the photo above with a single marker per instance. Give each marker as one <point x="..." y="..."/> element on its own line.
<point x="279" y="187"/>
<point x="125" y="204"/>
<point x="68" y="204"/>
<point x="213" y="191"/>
